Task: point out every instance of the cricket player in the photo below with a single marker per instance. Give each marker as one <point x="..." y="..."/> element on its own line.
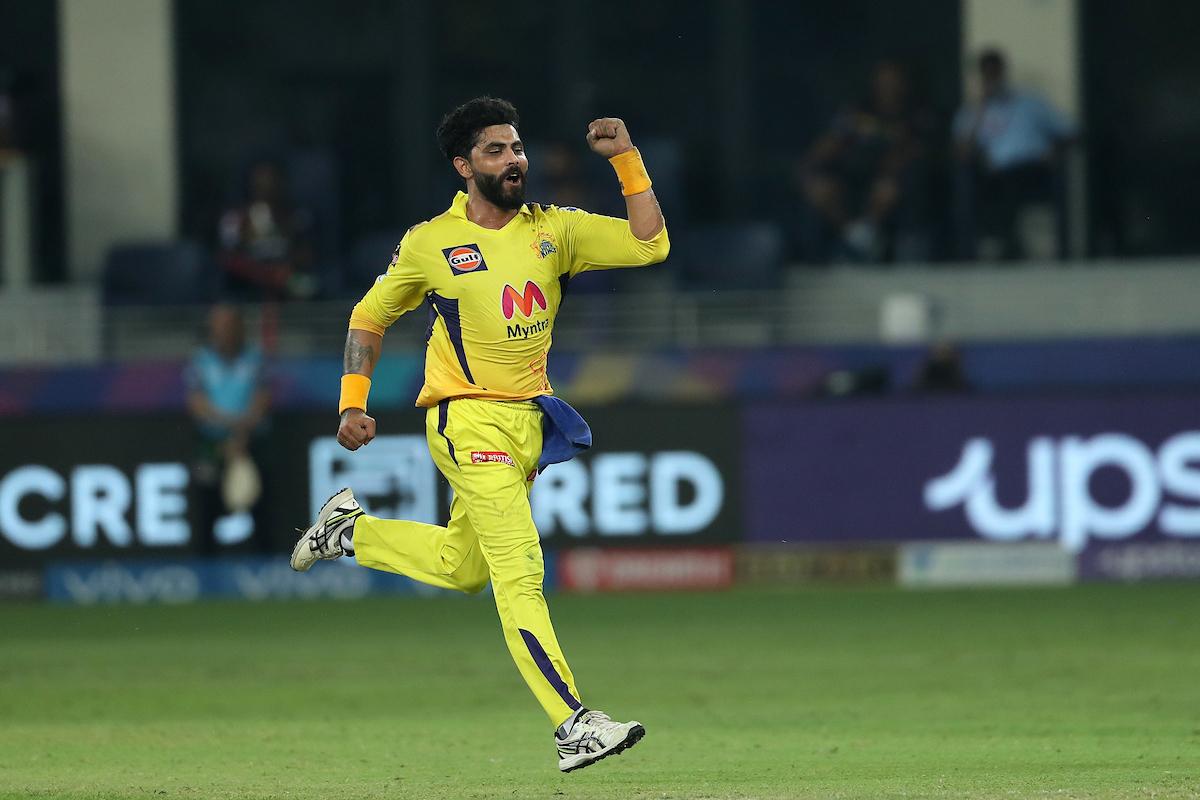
<point x="493" y="270"/>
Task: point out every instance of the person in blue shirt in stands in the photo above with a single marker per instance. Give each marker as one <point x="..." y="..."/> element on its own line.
<point x="228" y="399"/>
<point x="1012" y="139"/>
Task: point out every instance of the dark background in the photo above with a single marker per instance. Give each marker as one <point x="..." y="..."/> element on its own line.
<point x="29" y="49"/>
<point x="741" y="87"/>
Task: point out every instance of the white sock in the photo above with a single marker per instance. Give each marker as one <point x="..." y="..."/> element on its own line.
<point x="564" y="730"/>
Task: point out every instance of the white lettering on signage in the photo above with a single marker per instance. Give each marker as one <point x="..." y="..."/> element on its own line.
<point x="670" y="470"/>
<point x="162" y="505"/>
<point x="1181" y="481"/>
<point x="619" y="494"/>
<point x="100" y="499"/>
<point x="35" y="534"/>
<point x="631" y="494"/>
<point x="100" y="496"/>
<point x="560" y="499"/>
<point x="1058" y="500"/>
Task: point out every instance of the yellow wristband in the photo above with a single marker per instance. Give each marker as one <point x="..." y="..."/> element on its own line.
<point x="355" y="389"/>
<point x="631" y="172"/>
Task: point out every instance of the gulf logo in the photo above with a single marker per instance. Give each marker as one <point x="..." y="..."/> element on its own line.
<point x="464" y="259"/>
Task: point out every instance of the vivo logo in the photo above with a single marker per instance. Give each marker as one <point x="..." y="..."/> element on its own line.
<point x="116" y="583"/>
<point x="1164" y="489"/>
<point x="278" y="581"/>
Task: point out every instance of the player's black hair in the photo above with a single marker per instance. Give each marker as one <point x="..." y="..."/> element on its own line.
<point x="460" y="128"/>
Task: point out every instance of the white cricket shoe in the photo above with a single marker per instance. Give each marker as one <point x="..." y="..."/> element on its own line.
<point x="595" y="736"/>
<point x="324" y="539"/>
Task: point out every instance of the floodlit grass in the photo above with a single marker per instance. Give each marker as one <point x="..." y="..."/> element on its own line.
<point x="1088" y="692"/>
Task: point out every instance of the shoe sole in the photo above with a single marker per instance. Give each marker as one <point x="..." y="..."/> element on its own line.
<point x="633" y="737"/>
<point x="296" y="551"/>
<point x="303" y="536"/>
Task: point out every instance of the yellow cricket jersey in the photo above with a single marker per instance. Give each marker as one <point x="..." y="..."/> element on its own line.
<point x="493" y="294"/>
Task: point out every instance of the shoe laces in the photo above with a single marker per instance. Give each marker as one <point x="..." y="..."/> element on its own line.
<point x="323" y="542"/>
<point x="598" y="720"/>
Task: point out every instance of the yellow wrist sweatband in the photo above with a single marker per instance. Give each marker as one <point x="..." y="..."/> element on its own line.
<point x="631" y="172"/>
<point x="355" y="389"/>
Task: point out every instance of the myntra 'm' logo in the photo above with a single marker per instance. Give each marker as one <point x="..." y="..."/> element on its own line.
<point x="512" y="301"/>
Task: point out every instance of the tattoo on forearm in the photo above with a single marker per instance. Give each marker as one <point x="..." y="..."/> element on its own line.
<point x="358" y="355"/>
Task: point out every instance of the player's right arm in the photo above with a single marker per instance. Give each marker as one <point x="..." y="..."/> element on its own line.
<point x="363" y="349"/>
<point x="399" y="290"/>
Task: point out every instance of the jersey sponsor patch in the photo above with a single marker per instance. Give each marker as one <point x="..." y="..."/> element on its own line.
<point x="513" y="302"/>
<point x="464" y="259"/>
<point x="491" y="457"/>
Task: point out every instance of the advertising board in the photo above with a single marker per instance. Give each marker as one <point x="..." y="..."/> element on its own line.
<point x="588" y="569"/>
<point x="930" y="564"/>
<point x="1140" y="561"/>
<point x="82" y="487"/>
<point x="1070" y="470"/>
<point x="657" y="473"/>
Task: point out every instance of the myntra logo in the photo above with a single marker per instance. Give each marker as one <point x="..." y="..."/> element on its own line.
<point x="512" y="301"/>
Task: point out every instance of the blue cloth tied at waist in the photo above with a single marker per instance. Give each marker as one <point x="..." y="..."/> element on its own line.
<point x="565" y="434"/>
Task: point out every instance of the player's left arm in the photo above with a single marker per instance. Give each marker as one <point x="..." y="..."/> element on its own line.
<point x="599" y="242"/>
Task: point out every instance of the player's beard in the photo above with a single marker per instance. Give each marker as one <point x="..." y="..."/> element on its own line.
<point x="499" y="192"/>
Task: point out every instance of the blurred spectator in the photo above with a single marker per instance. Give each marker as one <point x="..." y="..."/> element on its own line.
<point x="264" y="243"/>
<point x="228" y="400"/>
<point x="558" y="177"/>
<point x="942" y="372"/>
<point x="1008" y="143"/>
<point x="863" y="382"/>
<point x="866" y="179"/>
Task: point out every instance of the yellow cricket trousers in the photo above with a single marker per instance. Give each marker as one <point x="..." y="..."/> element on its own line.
<point x="488" y="450"/>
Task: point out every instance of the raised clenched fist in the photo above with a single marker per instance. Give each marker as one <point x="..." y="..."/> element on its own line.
<point x="608" y="136"/>
<point x="355" y="429"/>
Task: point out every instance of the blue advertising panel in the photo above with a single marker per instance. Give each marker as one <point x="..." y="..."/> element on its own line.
<point x="237" y="578"/>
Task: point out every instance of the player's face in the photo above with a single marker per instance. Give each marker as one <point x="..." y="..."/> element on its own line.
<point x="499" y="165"/>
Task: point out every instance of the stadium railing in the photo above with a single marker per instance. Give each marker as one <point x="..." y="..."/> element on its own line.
<point x="650" y="312"/>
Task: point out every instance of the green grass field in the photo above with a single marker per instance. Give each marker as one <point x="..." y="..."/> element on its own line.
<point x="1073" y="693"/>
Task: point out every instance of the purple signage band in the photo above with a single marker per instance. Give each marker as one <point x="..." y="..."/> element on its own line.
<point x="1071" y="469"/>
